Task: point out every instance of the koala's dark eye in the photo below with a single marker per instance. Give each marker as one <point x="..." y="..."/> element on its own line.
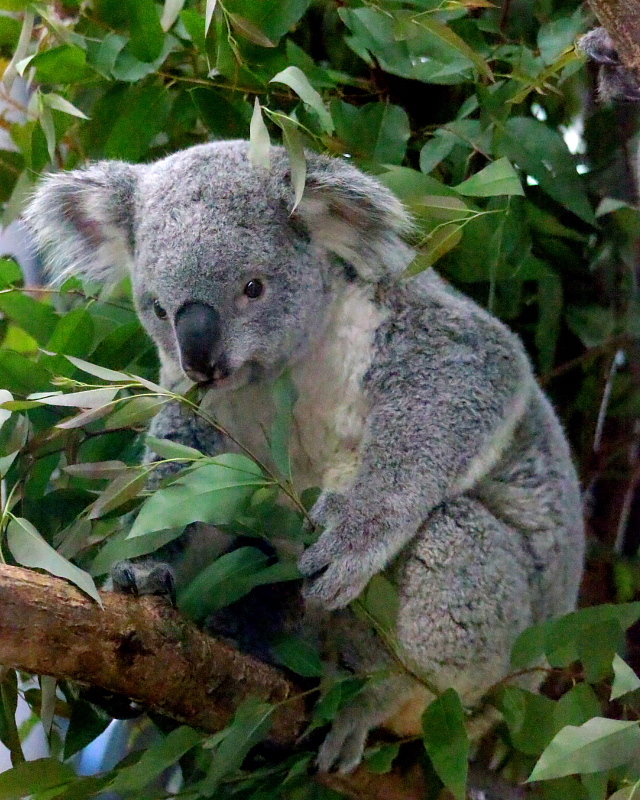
<point x="254" y="288"/>
<point x="158" y="310"/>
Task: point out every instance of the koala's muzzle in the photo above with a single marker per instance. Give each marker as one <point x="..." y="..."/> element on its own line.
<point x="198" y="332"/>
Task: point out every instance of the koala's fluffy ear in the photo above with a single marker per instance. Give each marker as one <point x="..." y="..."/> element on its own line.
<point x="355" y="217"/>
<point x="83" y="221"/>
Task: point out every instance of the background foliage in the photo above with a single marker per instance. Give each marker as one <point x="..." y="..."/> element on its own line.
<point x="482" y="118"/>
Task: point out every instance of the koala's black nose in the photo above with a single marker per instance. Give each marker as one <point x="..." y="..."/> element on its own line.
<point x="198" y="332"/>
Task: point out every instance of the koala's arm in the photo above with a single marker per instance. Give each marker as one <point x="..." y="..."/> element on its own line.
<point x="439" y="420"/>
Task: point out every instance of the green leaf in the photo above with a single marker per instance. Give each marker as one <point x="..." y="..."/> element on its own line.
<point x="450" y="37"/>
<point x="250" y="725"/>
<point x="208" y="14"/>
<point x="86" y="723"/>
<point x="575" y="707"/>
<point x="213" y="492"/>
<point x="135" y="411"/>
<point x="542" y="153"/>
<point x="31" y="550"/>
<point x="33" y="777"/>
<point x="297" y="158"/>
<point x="373" y="132"/>
<point x="381" y="602"/>
<point x="298" y="81"/>
<point x="64" y="64"/>
<point x="9" y="31"/>
<point x="529" y="717"/>
<point x="339" y="694"/>
<point x="37" y="319"/>
<point x="142" y="113"/>
<point x="73" y="333"/>
<point x="445" y="739"/>
<point x="625" y="679"/>
<point x="259" y="141"/>
<point x="251" y="32"/>
<point x="597" y="745"/>
<point x="272" y="18"/>
<point x="381" y="760"/>
<point x="298" y="655"/>
<point x="627" y="793"/>
<point x="170" y="13"/>
<point x="558" y="35"/>
<point x="120" y="547"/>
<point x="147" y="36"/>
<point x="89" y="398"/>
<point x="119" y="491"/>
<point x="442" y="240"/>
<point x="229" y="578"/>
<point x="166" y="448"/>
<point x="499" y="177"/>
<point x="284" y="398"/>
<point x="156" y="759"/>
<point x="100" y="372"/>
<point x="53" y="100"/>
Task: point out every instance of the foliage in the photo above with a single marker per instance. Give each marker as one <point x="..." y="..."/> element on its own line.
<point x="462" y="108"/>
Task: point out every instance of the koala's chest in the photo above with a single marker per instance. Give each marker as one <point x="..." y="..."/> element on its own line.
<point x="331" y="410"/>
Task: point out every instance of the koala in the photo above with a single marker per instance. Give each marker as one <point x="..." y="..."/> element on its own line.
<point x="615" y="80"/>
<point x="440" y="461"/>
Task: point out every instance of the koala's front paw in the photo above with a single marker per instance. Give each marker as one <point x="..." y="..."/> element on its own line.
<point x="599" y="46"/>
<point x="146" y="577"/>
<point x="335" y="574"/>
<point x="344" y="745"/>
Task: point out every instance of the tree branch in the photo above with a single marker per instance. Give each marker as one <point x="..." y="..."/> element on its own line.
<point x="140" y="648"/>
<point x="143" y="649"/>
<point x="621" y="18"/>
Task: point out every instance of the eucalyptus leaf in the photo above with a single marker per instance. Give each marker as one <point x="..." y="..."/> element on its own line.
<point x="445" y="739"/>
<point x="599" y="744"/>
<point x="259" y="142"/>
<point x="250" y="725"/>
<point x="499" y="177"/>
<point x="213" y="492"/>
<point x="29" y="549"/>
<point x="33" y="777"/>
<point x="155" y="759"/>
<point x="625" y="679"/>
<point x="298" y="81"/>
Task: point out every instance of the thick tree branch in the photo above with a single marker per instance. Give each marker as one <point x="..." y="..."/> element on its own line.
<point x="142" y="649"/>
<point x="621" y="18"/>
<point x="145" y="650"/>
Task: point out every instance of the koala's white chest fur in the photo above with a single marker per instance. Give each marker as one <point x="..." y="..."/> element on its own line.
<point x="329" y="416"/>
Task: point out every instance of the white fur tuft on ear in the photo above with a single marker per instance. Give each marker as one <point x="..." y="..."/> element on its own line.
<point x="83" y="221"/>
<point x="356" y="218"/>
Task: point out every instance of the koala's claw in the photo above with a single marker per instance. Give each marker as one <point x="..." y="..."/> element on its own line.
<point x="331" y="582"/>
<point x="343" y="746"/>
<point x="135" y="579"/>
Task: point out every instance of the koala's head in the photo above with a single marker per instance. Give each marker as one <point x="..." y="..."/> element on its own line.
<point x="226" y="280"/>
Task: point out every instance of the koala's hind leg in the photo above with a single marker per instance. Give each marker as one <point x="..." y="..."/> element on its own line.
<point x="361" y="650"/>
<point x="468" y="588"/>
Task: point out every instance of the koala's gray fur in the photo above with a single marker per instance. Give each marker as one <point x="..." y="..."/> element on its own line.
<point x="615" y="80"/>
<point x="439" y="458"/>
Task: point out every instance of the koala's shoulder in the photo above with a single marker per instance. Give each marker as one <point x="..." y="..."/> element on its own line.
<point x="427" y="309"/>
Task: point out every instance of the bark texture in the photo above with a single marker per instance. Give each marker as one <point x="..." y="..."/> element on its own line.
<point x="140" y="648"/>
